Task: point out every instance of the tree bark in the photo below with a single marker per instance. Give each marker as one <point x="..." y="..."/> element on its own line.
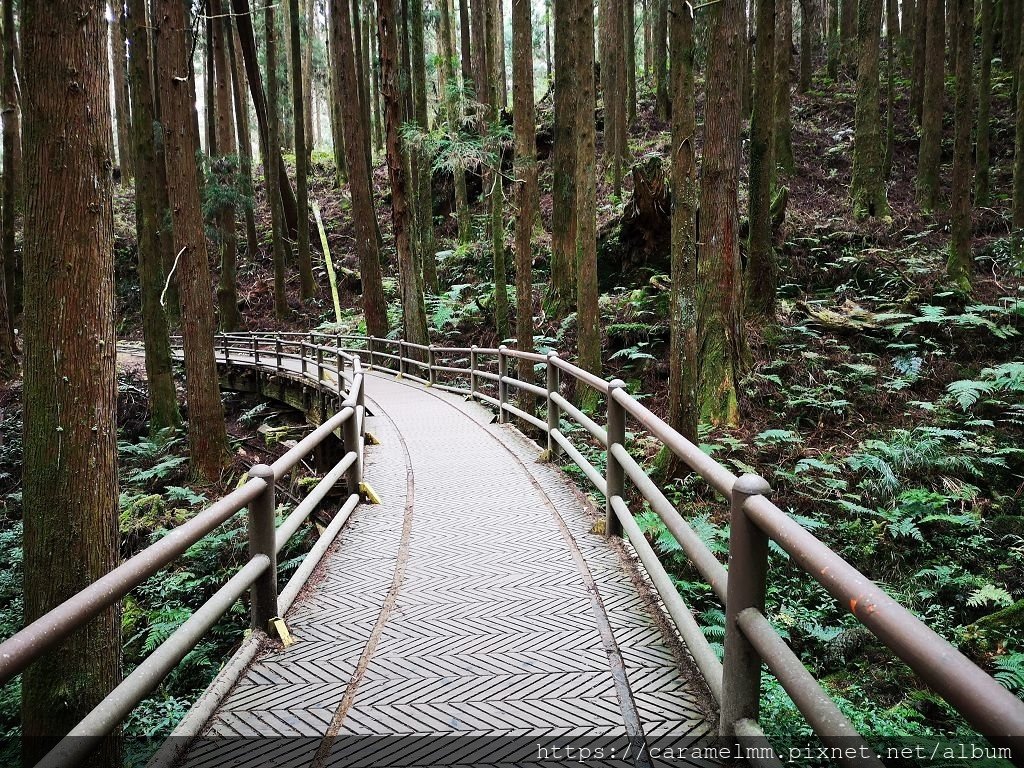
<point x="414" y="318"/>
<point x="762" y="270"/>
<point x="241" y="112"/>
<point x="70" y="494"/>
<point x="493" y="178"/>
<point x="524" y="125"/>
<point x="918" y="60"/>
<point x="683" y="332"/>
<point x="563" y="166"/>
<point x="13" y="178"/>
<point x="306" y="282"/>
<point x="867" y="189"/>
<point x="452" y="101"/>
<point x="806" y="46"/>
<point x="357" y="141"/>
<point x="833" y="39"/>
<point x="273" y="170"/>
<point x="1018" y="165"/>
<point x="124" y="127"/>
<point x="930" y="151"/>
<point x="629" y="25"/>
<point x="660" y="59"/>
<point x="783" y="99"/>
<point x="960" y="261"/>
<point x="247" y="43"/>
<point x="206" y="431"/>
<point x="720" y="341"/>
<point x="224" y="167"/>
<point x="423" y="204"/>
<point x="163" y="398"/>
<point x="465" y="37"/>
<point x="588" y="319"/>
<point x="982" y="151"/>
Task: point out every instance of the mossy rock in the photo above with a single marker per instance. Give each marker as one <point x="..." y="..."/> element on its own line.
<point x="144" y="512"/>
<point x="1003" y="621"/>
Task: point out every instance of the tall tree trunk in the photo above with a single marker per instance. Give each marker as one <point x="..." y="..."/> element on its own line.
<point x="930" y="152"/>
<point x="783" y="99"/>
<point x="273" y="170"/>
<point x="892" y="19"/>
<point x="225" y="168"/>
<point x="907" y="28"/>
<point x="720" y="341"/>
<point x="806" y="46"/>
<point x="982" y="151"/>
<point x="918" y="59"/>
<point x="524" y="122"/>
<point x="1018" y="165"/>
<point x="547" y="42"/>
<point x="848" y="32"/>
<point x="423" y="202"/>
<point x="306" y="281"/>
<point x="307" y="80"/>
<point x="362" y="73"/>
<point x="867" y="189"/>
<point x="70" y="496"/>
<point x="465" y="37"/>
<point x="833" y="39"/>
<point x="682" y="384"/>
<point x="493" y="178"/>
<point x="500" y="69"/>
<point x="762" y="270"/>
<point x="337" y="118"/>
<point x="613" y="86"/>
<point x="452" y="101"/>
<point x="124" y="141"/>
<point x="960" y="262"/>
<point x="563" y="166"/>
<point x="163" y="398"/>
<point x="268" y="149"/>
<point x="357" y="139"/>
<point x="241" y="112"/>
<point x="378" y="107"/>
<point x="588" y="321"/>
<point x="660" y="58"/>
<point x="629" y="24"/>
<point x="414" y="317"/>
<point x="210" y="99"/>
<point x="206" y="431"/>
<point x="13" y="177"/>
<point x="8" y="265"/>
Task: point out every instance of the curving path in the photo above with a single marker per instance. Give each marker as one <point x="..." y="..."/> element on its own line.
<point x="472" y="618"/>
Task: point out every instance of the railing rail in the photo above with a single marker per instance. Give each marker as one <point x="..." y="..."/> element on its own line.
<point x="258" y="574"/>
<point x="750" y="638"/>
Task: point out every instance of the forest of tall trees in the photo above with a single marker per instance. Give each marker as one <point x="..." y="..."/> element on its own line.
<point x="661" y="190"/>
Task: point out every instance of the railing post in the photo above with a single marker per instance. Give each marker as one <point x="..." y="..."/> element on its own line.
<point x="227" y="354"/>
<point x="748" y="567"/>
<point x="263" y="600"/>
<point x="255" y="350"/>
<point x="554" y="413"/>
<point x="431" y="374"/>
<point x="319" y="363"/>
<point x="337" y="357"/>
<point x="472" y="372"/>
<point x="502" y="388"/>
<point x="277" y="352"/>
<point x="614" y="477"/>
<point x="350" y="436"/>
<point x="401" y="357"/>
<point x="302" y="355"/>
<point x="369" y="348"/>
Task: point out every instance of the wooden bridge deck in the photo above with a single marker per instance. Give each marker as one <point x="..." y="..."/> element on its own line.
<point x="469" y="619"/>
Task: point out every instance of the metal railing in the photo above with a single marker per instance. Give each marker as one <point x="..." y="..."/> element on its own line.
<point x="485" y="375"/>
<point x="258" y="574"/>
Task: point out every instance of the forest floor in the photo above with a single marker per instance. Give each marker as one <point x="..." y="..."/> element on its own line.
<point x="886" y="409"/>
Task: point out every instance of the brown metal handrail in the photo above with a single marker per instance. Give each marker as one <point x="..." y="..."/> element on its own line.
<point x="750" y="638"/>
<point x="258" y="574"/>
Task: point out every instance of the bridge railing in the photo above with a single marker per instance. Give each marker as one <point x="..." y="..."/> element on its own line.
<point x="484" y="374"/>
<point x="258" y="574"/>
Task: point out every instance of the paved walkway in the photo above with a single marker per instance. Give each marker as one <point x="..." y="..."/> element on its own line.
<point x="471" y="619"/>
